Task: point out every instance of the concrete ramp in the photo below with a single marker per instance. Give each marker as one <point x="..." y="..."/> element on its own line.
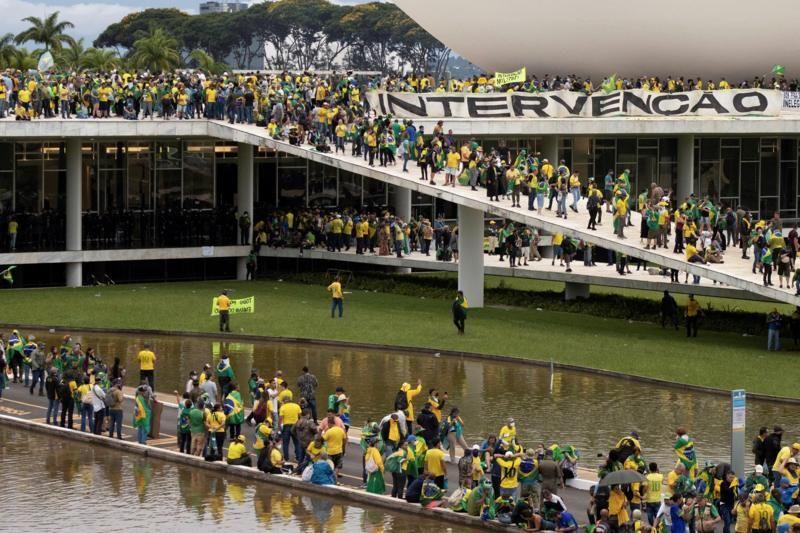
<point x="734" y="272"/>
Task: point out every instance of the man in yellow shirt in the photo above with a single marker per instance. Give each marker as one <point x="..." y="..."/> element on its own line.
<point x="692" y="312"/>
<point x="224" y="306"/>
<point x="337" y="296"/>
<point x="289" y="414"/>
<point x="509" y="472"/>
<point x="435" y="465"/>
<point x="147" y="365"/>
<point x="335" y="443"/>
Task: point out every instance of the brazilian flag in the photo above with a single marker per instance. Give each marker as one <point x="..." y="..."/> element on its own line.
<point x="233" y="408"/>
<point x="141" y="416"/>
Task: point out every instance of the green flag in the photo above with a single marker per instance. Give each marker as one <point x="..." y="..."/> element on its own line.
<point x="778" y="70"/>
<point x="610" y="85"/>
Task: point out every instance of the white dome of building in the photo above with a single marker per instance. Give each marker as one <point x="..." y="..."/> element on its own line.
<point x="690" y="38"/>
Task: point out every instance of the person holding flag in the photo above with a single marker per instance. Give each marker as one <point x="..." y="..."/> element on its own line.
<point x="234" y="411"/>
<point x="684" y="449"/>
<point x="225" y="375"/>
<point x="141" y="416"/>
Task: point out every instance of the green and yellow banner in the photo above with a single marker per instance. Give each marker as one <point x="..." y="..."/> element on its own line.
<point x="243" y="305"/>
<point x="503" y="78"/>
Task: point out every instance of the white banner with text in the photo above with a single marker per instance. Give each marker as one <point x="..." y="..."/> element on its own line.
<point x="567" y="104"/>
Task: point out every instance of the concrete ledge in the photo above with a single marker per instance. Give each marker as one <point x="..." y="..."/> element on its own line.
<point x="416" y="349"/>
<point x="294" y="483"/>
<point x="127" y="254"/>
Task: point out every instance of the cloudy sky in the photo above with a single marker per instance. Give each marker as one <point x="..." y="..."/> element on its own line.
<point x="91" y="16"/>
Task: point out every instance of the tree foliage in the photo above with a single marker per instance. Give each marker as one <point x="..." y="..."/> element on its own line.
<point x="156" y="52"/>
<point x="48" y="31"/>
<point x="292" y="34"/>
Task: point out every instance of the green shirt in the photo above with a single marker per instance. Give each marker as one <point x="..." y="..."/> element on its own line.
<point x="197" y="421"/>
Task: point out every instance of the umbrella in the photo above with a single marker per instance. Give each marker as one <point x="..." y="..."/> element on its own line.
<point x="622" y="477"/>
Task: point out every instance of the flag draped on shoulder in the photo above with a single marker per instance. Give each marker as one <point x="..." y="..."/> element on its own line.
<point x="141" y="415"/>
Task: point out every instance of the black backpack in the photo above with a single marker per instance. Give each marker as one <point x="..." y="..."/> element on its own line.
<point x="401" y="401"/>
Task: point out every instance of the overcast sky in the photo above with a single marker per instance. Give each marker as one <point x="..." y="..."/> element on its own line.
<point x="92" y="16"/>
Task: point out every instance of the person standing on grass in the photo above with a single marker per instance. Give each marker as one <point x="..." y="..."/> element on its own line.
<point x="774" y="320"/>
<point x="669" y="310"/>
<point x="693" y="311"/>
<point x="224" y="306"/>
<point x="147" y="365"/>
<point x="459" y="308"/>
<point x="337" y="296"/>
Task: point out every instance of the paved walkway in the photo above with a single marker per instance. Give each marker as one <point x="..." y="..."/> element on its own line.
<point x="735" y="272"/>
<point x="602" y="274"/>
<point x="17" y="401"/>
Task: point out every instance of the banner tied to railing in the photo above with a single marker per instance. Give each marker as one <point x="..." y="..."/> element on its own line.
<point x="567" y="104"/>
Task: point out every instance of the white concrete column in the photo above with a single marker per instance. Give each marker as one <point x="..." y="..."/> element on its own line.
<point x="402" y="203"/>
<point x="244" y="195"/>
<point x="550" y="149"/>
<point x="74" y="228"/>
<point x="470" y="254"/>
<point x="685" y="167"/>
<point x="244" y="199"/>
<point x="573" y="291"/>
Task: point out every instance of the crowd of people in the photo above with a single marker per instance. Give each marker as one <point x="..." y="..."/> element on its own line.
<point x="688" y="497"/>
<point x="486" y="83"/>
<point x="416" y="445"/>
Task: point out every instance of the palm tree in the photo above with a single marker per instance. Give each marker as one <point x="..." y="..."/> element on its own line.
<point x="72" y="57"/>
<point x="8" y="51"/>
<point x="100" y="59"/>
<point x="48" y="31"/>
<point x="157" y="52"/>
<point x="206" y="62"/>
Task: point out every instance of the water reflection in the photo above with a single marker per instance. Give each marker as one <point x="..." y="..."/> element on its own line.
<point x="590" y="412"/>
<point x="81" y="484"/>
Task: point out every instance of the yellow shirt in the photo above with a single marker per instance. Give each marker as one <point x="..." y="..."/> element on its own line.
<point x="285" y="395"/>
<point x="394" y="431"/>
<point x="276" y="457"/>
<point x="216" y="422"/>
<point x="334" y="440"/>
<point x="760" y="515"/>
<point x="784" y="454"/>
<point x="313" y="451"/>
<point x="289" y="413"/>
<point x="509" y="470"/>
<point x="147" y="360"/>
<point x="375" y="455"/>
<point x="341" y="130"/>
<point x="453" y="159"/>
<point x="433" y="462"/>
<point x="236" y="450"/>
<point x="616" y="506"/>
<point x="211" y="95"/>
<point x="508" y="430"/>
<point x="335" y="289"/>
<point x="24" y="96"/>
<point x="223" y="302"/>
<point x="622" y="207"/>
<point x="410" y="393"/>
<point x="654" y="482"/>
<point x="672" y="478"/>
<point x="692" y="308"/>
<point x="83" y="390"/>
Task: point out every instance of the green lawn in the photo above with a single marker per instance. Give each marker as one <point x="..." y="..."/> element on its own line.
<point x="715" y="359"/>
<point x="724" y="304"/>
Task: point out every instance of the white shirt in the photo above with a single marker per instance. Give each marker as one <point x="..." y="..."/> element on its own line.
<point x="97" y="398"/>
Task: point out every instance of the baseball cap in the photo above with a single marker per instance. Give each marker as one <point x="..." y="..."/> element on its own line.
<point x="759" y="469"/>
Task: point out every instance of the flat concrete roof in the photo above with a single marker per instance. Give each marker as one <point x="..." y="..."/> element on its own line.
<point x="93" y="129"/>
